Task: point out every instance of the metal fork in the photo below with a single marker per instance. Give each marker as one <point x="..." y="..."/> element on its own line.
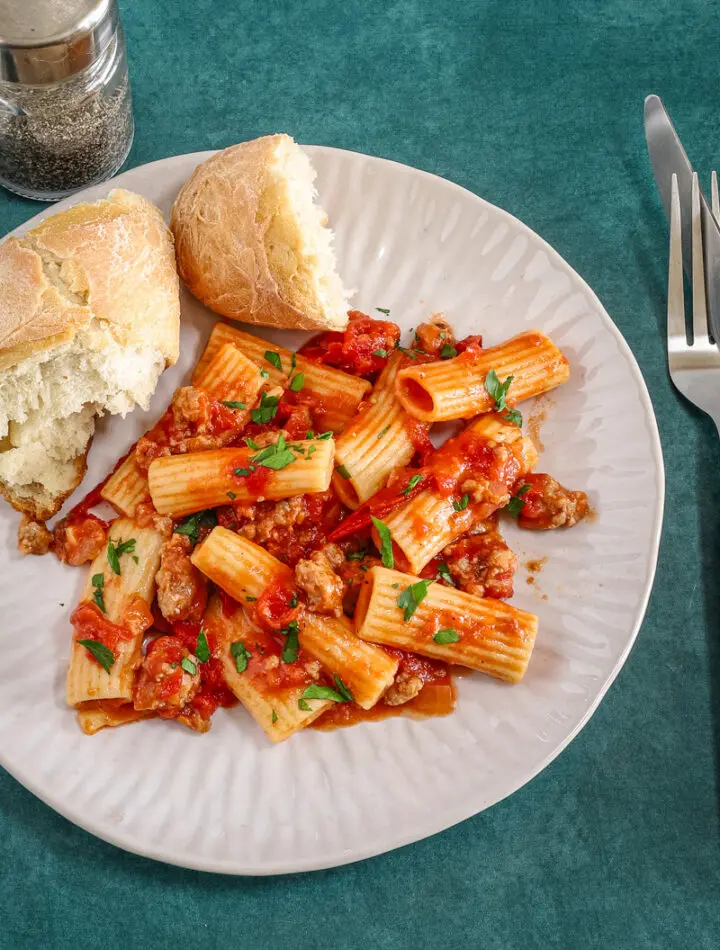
<point x="694" y="361"/>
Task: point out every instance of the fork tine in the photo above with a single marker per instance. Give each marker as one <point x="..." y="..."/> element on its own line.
<point x="676" y="301"/>
<point x="699" y="302"/>
<point x="715" y="198"/>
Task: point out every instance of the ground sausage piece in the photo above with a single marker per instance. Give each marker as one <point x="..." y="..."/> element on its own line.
<point x="435" y="334"/>
<point x="33" y="537"/>
<point x="482" y="564"/>
<point x="547" y="504"/>
<point x="322" y="585"/>
<point x="163" y="684"/>
<point x="181" y="588"/>
<point x="405" y="687"/>
<point x="78" y="542"/>
<point x="283" y="514"/>
<point x="191" y="407"/>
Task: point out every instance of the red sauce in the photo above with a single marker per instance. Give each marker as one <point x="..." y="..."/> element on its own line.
<point x="353" y="351"/>
<point x="272" y="609"/>
<point x="255" y="482"/>
<point x="229" y="605"/>
<point x="90" y="623"/>
<point x="418" y="432"/>
<point x="470" y="344"/>
<point x="379" y="506"/>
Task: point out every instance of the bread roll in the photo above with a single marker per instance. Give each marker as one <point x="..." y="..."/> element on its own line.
<point x="89" y="318"/>
<point x="251" y="243"/>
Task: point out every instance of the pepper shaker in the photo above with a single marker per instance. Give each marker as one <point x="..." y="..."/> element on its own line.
<point x="65" y="107"/>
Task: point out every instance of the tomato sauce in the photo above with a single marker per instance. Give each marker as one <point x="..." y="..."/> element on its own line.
<point x="354" y="350"/>
<point x="91" y="624"/>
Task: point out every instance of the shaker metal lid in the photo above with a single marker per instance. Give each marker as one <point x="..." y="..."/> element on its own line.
<point x="44" y="41"/>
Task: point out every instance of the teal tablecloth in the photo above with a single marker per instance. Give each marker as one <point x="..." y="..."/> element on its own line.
<point x="537" y="106"/>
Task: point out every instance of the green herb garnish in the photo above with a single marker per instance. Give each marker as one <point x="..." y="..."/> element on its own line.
<point x="274" y="717"/>
<point x="513" y="416"/>
<point x="192" y="524"/>
<point x="98" y="582"/>
<point x="304" y="706"/>
<point x="297" y="382"/>
<point x="447" y="352"/>
<point x="381" y="353"/>
<point x="448" y="635"/>
<point x="251" y="444"/>
<point x="240" y="654"/>
<point x="104" y="655"/>
<point x="291" y="648"/>
<point x="385" y="542"/>
<point x="497" y="390"/>
<point x="202" y="651"/>
<point x="234" y="405"/>
<point x="316" y="691"/>
<point x="382" y="432"/>
<point x="516" y="503"/>
<point x="443" y="574"/>
<point x="343" y="472"/>
<point x="273" y="359"/>
<point x="356" y="555"/>
<point x="325" y="435"/>
<point x="382" y="310"/>
<point x="415" y="480"/>
<point x="266" y="410"/>
<point x="187" y="664"/>
<point x="275" y="456"/>
<point x="462" y="504"/>
<point x="115" y="551"/>
<point x="412" y="597"/>
<point x="242" y="472"/>
<point x="231" y="495"/>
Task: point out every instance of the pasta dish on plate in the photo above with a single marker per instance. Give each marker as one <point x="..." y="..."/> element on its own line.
<point x="288" y="536"/>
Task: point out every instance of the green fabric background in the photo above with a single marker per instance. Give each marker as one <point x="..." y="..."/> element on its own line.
<point x="537" y="106"/>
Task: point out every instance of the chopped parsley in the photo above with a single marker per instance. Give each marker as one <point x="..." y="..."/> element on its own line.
<point x="382" y="432"/>
<point x="251" y="444"/>
<point x="325" y="435"/>
<point x="309" y="434"/>
<point x="273" y="359"/>
<point x="264" y="373"/>
<point x="340" y="695"/>
<point x="513" y="416"/>
<point x="250" y="600"/>
<point x="293" y="601"/>
<point x="293" y="361"/>
<point x="297" y="382"/>
<point x="241" y="655"/>
<point x="385" y="542"/>
<point x="304" y="706"/>
<point x="242" y="473"/>
<point x="266" y="410"/>
<point x="462" y="504"/>
<point x="516" y="503"/>
<point x="202" y="651"/>
<point x="104" y="655"/>
<point x="413" y="354"/>
<point x="192" y="524"/>
<point x="115" y="551"/>
<point x="497" y="390"/>
<point x="383" y="310"/>
<point x="343" y="472"/>
<point x="231" y="495"/>
<point x="187" y="664"/>
<point x="356" y="555"/>
<point x="415" y="480"/>
<point x="291" y="648"/>
<point x="98" y="582"/>
<point x="448" y="635"/>
<point x="234" y="405"/>
<point x="443" y="574"/>
<point x="447" y="352"/>
<point x="381" y="353"/>
<point x="412" y="597"/>
<point x="275" y="456"/>
<point x="274" y="717"/>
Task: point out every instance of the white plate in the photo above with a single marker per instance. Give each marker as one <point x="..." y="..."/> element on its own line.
<point x="230" y="801"/>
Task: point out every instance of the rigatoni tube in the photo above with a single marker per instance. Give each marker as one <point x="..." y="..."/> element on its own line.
<point x="455" y="388"/>
<point x="403" y="611"/>
<point x="182" y="484"/>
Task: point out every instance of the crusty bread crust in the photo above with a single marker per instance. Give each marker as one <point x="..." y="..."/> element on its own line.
<point x="219" y="232"/>
<point x="40" y="505"/>
<point x="111" y="261"/>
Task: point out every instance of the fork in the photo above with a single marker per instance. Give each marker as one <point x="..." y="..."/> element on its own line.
<point x="693" y="361"/>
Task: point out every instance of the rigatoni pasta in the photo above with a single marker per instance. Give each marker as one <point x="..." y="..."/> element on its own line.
<point x="339" y="393"/>
<point x="114" y="612"/>
<point x="455" y="388"/>
<point x="446" y="624"/>
<point x="377" y="440"/>
<point x="182" y="484"/>
<point x="259" y="560"/>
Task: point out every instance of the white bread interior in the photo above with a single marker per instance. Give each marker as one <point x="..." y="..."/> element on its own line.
<point x="251" y="242"/>
<point x="89" y="318"/>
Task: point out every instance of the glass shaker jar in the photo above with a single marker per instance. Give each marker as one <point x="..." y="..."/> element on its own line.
<point x="65" y="107"/>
